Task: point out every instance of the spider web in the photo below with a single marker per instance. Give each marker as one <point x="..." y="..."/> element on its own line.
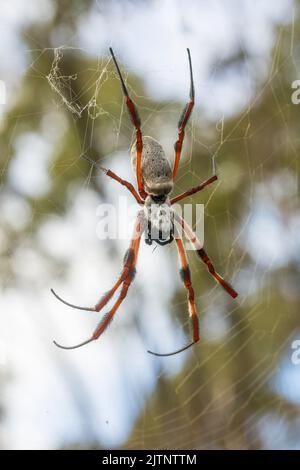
<point x="223" y="393"/>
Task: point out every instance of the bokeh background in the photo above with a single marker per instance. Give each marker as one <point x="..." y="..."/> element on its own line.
<point x="239" y="388"/>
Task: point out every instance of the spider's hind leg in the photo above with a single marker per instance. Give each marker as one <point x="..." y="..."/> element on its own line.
<point x="205" y="258"/>
<point x="184" y="118"/>
<point x="186" y="278"/>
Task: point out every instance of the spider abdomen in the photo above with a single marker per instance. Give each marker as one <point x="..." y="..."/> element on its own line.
<point x="155" y="169"/>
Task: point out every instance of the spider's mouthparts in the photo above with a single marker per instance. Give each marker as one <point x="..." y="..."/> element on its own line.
<point x="161" y="198"/>
<point x="159" y="241"/>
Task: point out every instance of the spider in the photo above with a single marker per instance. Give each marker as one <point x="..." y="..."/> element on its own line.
<point x="157" y="220"/>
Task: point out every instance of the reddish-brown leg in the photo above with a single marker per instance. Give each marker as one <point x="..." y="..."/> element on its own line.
<point x="128" y="261"/>
<point x="186" y="278"/>
<point x="136" y="121"/>
<point x="194" y="190"/>
<point x="204" y="257"/>
<point x="117" y="178"/>
<point x="126" y="284"/>
<point x="187" y="111"/>
<point x="127" y="280"/>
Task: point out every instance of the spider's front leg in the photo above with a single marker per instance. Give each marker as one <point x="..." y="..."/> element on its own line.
<point x="125" y="278"/>
<point x="136" y="121"/>
<point x="184" y="118"/>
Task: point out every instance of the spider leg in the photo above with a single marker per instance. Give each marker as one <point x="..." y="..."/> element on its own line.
<point x="126" y="284"/>
<point x="187" y="111"/>
<point x="106" y="319"/>
<point x="204" y="257"/>
<point x="186" y="278"/>
<point x="128" y="260"/>
<point x="117" y="178"/>
<point x="106" y="297"/>
<point x="172" y="353"/>
<point x="136" y="121"/>
<point x="194" y="190"/>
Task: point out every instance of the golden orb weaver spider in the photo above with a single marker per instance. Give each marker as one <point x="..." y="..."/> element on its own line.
<point x="155" y="180"/>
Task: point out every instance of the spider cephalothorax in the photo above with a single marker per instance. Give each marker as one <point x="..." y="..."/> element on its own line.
<point x="157" y="220"/>
<point x="159" y="225"/>
<point x="157" y="181"/>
